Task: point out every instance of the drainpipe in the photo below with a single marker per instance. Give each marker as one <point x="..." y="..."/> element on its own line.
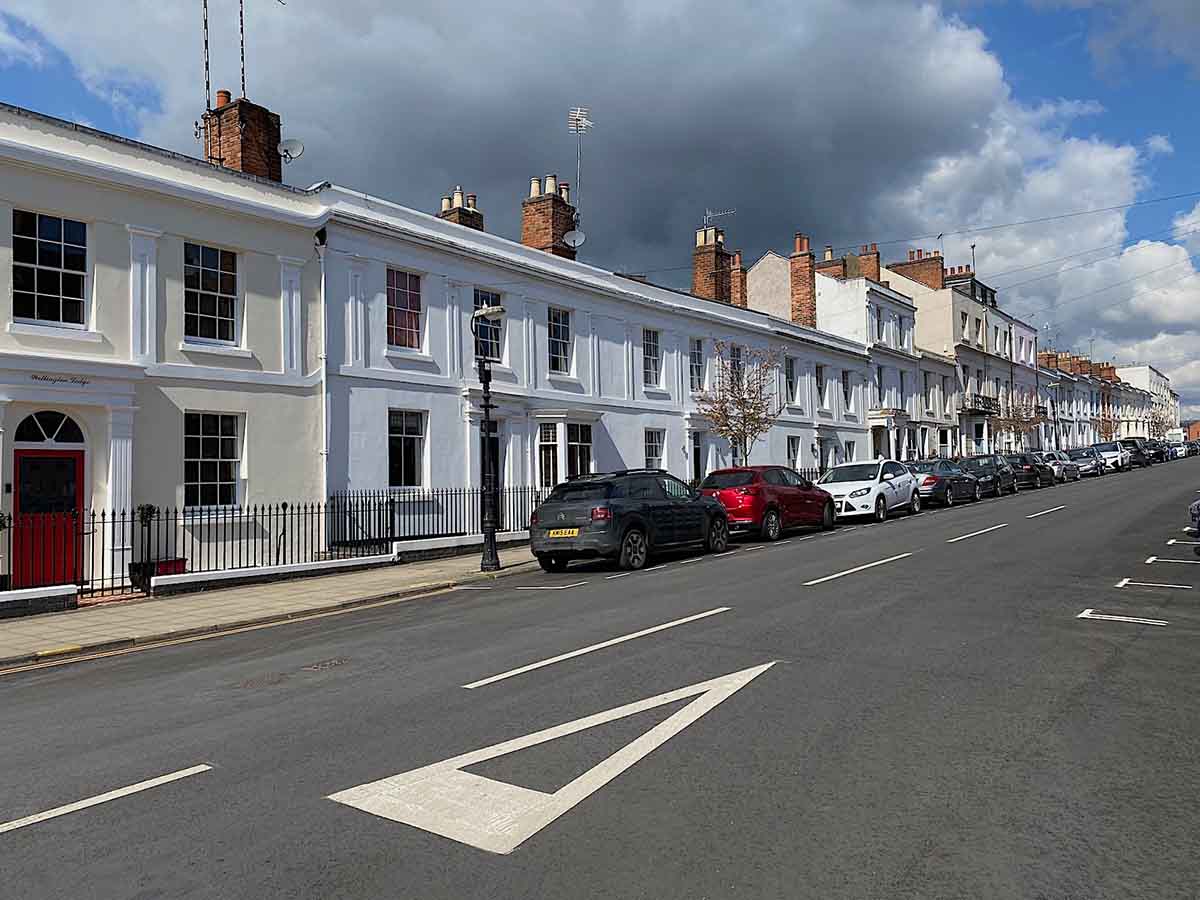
<point x="324" y="360"/>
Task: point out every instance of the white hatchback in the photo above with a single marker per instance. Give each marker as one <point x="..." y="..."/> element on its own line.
<point x="872" y="488"/>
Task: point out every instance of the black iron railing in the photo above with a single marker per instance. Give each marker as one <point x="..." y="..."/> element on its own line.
<point x="105" y="552"/>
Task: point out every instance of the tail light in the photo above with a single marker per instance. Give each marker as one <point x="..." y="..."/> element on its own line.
<point x="749" y="491"/>
<point x="929" y="481"/>
<point x="601" y="514"/>
<point x="533" y="518"/>
<point x="1027" y="468"/>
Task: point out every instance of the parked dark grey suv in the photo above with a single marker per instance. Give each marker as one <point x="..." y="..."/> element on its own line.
<point x="624" y="516"/>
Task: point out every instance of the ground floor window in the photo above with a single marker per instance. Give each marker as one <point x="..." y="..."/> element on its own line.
<point x="654" y="447"/>
<point x="850" y="457"/>
<point x="211" y="456"/>
<point x="579" y="449"/>
<point x="406" y="440"/>
<point x="548" y="454"/>
<point x="698" y="467"/>
<point x="795" y="445"/>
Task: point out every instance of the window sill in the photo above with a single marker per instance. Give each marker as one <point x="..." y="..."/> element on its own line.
<point x="55" y="331"/>
<point x="407" y="353"/>
<point x="794" y="408"/>
<point x="497" y="368"/>
<point x="657" y="393"/>
<point x="564" y="379"/>
<point x="215" y="349"/>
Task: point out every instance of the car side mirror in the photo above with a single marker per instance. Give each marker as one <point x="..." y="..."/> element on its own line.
<point x="888" y="476"/>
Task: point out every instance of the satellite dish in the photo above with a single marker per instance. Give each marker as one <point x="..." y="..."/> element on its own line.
<point x="291" y="149"/>
<point x="574" y="239"/>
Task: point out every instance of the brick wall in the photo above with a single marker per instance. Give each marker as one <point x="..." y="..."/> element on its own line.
<point x="244" y="136"/>
<point x="462" y="215"/>
<point x="544" y="221"/>
<point x="737" y="281"/>
<point x="803" y="278"/>
<point x="927" y="270"/>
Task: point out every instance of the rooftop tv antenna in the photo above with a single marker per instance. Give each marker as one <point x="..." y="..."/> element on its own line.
<point x="710" y="214"/>
<point x="578" y="123"/>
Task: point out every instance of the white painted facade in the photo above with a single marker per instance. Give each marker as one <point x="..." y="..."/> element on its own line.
<point x="613" y="324"/>
<point x="1164" y="400"/>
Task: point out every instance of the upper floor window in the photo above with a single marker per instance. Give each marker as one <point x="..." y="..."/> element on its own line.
<point x="879" y="386"/>
<point x="847" y="392"/>
<point x="966" y="333"/>
<point x="902" y="333"/>
<point x="947" y="394"/>
<point x="927" y="385"/>
<point x="789" y="378"/>
<point x="979" y="331"/>
<point x="820" y="376"/>
<point x="879" y="324"/>
<point x="735" y="363"/>
<point x="996" y="346"/>
<point x="696" y="364"/>
<point x="209" y="293"/>
<point x="487" y="331"/>
<point x="403" y="309"/>
<point x="49" y="264"/>
<point x="903" y="390"/>
<point x="966" y="378"/>
<point x="558" y="323"/>
<point x="651" y="358"/>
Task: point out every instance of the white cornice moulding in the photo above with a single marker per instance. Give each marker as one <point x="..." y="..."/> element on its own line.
<point x="184" y="372"/>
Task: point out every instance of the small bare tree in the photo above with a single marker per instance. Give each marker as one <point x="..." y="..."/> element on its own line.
<point x="1108" y="425"/>
<point x="1160" y="423"/>
<point x="1018" y="417"/>
<point x="741" y="404"/>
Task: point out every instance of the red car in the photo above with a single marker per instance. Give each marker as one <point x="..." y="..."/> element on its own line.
<point x="768" y="499"/>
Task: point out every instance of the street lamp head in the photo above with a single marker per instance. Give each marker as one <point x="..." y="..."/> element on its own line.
<point x="488" y="312"/>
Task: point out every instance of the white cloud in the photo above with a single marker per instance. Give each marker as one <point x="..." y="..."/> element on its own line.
<point x="16" y="50"/>
<point x="1159" y="145"/>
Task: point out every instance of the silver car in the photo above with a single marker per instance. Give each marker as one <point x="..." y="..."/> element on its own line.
<point x="1088" y="460"/>
<point x="1064" y="467"/>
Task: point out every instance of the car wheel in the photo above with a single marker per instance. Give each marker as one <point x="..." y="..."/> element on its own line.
<point x="717" y="539"/>
<point x="771" y="526"/>
<point x="1016" y="489"/>
<point x="949" y="495"/>
<point x="1037" y="481"/>
<point x="827" y="518"/>
<point x="551" y="563"/>
<point x="914" y="505"/>
<point x="880" y="510"/>
<point x="978" y="493"/>
<point x="634" y="549"/>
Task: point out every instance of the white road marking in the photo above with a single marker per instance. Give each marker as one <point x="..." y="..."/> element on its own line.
<point x="1189" y="543"/>
<point x="788" y="541"/>
<point x="963" y="537"/>
<point x="468" y="587"/>
<point x="1125" y="582"/>
<point x="755" y="547"/>
<point x="103" y="798"/>
<point x="580" y="652"/>
<point x="552" y="587"/>
<point x="655" y="568"/>
<point x="1182" y="562"/>
<point x="618" y="575"/>
<point x="694" y="559"/>
<point x="1150" y="559"/>
<point x="1045" y="511"/>
<point x="444" y="799"/>
<point x="1092" y="614"/>
<point x="856" y="569"/>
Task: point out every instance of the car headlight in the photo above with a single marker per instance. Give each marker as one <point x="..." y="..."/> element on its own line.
<point x="861" y="492"/>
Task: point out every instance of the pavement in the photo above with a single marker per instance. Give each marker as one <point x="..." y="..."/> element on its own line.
<point x="906" y="710"/>
<point x="151" y="620"/>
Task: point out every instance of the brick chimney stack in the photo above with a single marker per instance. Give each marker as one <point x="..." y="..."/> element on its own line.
<point x="803" y="278"/>
<point x="243" y="136"/>
<point x="459" y="208"/>
<point x="546" y="216"/>
<point x="923" y="267"/>
<point x="711" y="265"/>
<point x="737" y="281"/>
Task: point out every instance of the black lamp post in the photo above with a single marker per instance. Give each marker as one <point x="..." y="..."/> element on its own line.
<point x="489" y="497"/>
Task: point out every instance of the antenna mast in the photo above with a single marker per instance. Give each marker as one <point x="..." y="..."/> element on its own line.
<point x="207" y="83"/>
<point x="242" y="35"/>
<point x="578" y="123"/>
<point x="710" y="215"/>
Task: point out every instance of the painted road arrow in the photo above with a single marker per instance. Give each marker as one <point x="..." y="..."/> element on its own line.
<point x="497" y="816"/>
<point x="1092" y="614"/>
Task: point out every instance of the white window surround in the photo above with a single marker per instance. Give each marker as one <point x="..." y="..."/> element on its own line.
<point x="65" y="332"/>
<point x="215" y="348"/>
<point x="393" y="352"/>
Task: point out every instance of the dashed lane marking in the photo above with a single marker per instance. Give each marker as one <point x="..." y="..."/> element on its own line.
<point x="1181" y="562"/>
<point x="1126" y="582"/>
<point x="857" y="569"/>
<point x="1092" y="614"/>
<point x="593" y="647"/>
<point x="103" y="798"/>
<point x="1046" y="511"/>
<point x="963" y="537"/>
<point x="552" y="587"/>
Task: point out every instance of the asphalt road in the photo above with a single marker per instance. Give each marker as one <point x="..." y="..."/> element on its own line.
<point x="939" y="725"/>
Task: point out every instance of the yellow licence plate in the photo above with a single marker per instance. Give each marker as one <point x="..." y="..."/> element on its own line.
<point x="564" y="532"/>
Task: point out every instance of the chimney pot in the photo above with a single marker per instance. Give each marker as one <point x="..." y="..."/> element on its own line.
<point x="551" y="184"/>
<point x="802" y="243"/>
<point x="912" y="254"/>
<point x="864" y="249"/>
<point x="874" y="248"/>
<point x="700" y="232"/>
<point x="720" y="235"/>
<point x="564" y="190"/>
<point x="224" y="98"/>
<point x="471" y="200"/>
<point x="535" y="187"/>
<point x="737" y="257"/>
<point x="445" y="204"/>
<point x="458" y="196"/>
<point x="920" y="254"/>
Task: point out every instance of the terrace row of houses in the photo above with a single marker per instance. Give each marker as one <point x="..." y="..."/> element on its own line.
<point x="196" y="334"/>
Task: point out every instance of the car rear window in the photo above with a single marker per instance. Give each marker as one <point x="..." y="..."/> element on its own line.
<point x="719" y="480"/>
<point x="1015" y="460"/>
<point x="571" y="493"/>
<point x="1079" y="454"/>
<point x="921" y="466"/>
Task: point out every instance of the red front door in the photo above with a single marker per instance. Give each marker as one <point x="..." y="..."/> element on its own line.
<point x="47" y="543"/>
